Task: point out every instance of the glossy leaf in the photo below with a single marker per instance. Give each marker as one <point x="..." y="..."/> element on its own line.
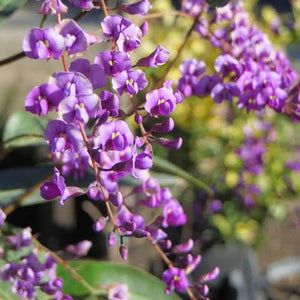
<point x="166" y="166"/>
<point x="8" y="7"/>
<point x="24" y="129"/>
<point x="141" y="285"/>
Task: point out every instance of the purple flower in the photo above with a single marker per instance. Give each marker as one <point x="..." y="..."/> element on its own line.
<point x="114" y="135"/>
<point x="100" y="224"/>
<point x="157" y="58"/>
<point x="72" y="83"/>
<point x="84" y="4"/>
<point x="161" y="102"/>
<point x="43" y="44"/>
<point x="19" y="240"/>
<point x="93" y="72"/>
<point x="175" y="278"/>
<point x="173" y="214"/>
<point x="53" y="6"/>
<point x="43" y="98"/>
<point x="227" y="66"/>
<point x="131" y="81"/>
<point x="140" y="7"/>
<point x="23" y="289"/>
<point x="79" y="108"/>
<point x="206" y="84"/>
<point x="75" y="38"/>
<point x="193" y="7"/>
<point x="225" y="91"/>
<point x="62" y="136"/>
<point x="113" y="62"/>
<point x="57" y="188"/>
<point x="126" y="34"/>
<point x="123" y="252"/>
<point x="110" y="103"/>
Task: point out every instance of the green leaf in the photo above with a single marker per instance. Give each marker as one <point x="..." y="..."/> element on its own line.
<point x="170" y="168"/>
<point x="141" y="285"/>
<point x="24" y="129"/>
<point x="217" y="3"/>
<point x="8" y="7"/>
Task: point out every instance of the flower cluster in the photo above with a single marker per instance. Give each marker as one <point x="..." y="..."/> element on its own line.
<point x="251" y="153"/>
<point x="90" y="131"/>
<point x="249" y="70"/>
<point x="24" y="268"/>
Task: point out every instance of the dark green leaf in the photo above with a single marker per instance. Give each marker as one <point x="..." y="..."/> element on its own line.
<point x="217" y="3"/>
<point x="8" y="7"/>
<point x="24" y="129"/>
<point x="141" y="285"/>
<point x="170" y="168"/>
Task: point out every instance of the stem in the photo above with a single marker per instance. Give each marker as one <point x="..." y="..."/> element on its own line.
<point x="67" y="267"/>
<point x="12" y="58"/>
<point x="183" y="45"/>
<point x="10" y="208"/>
<point x="160" y="252"/>
<point x="167" y="13"/>
<point x="103" y="7"/>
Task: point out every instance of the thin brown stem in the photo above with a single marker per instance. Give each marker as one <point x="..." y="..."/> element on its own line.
<point x="179" y="51"/>
<point x="10" y="208"/>
<point x="103" y="7"/>
<point x="67" y="267"/>
<point x="167" y="13"/>
<point x="12" y="58"/>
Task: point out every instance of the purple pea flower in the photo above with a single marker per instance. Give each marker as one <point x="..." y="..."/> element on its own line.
<point x="57" y="188"/>
<point x="53" y="6"/>
<point x="72" y="83"/>
<point x="131" y="81"/>
<point x="43" y="44"/>
<point x="227" y="66"/>
<point x="113" y="62"/>
<point x="160" y="102"/>
<point x="79" y="108"/>
<point x="114" y="135"/>
<point x="110" y="103"/>
<point x="138" y="8"/>
<point x="43" y="98"/>
<point x="62" y="136"/>
<point x="175" y="278"/>
<point x="157" y="58"/>
<point x="20" y="240"/>
<point x="75" y="38"/>
<point x="84" y="4"/>
<point x="24" y="289"/>
<point x="225" y="91"/>
<point x="173" y="214"/>
<point x="206" y="84"/>
<point x="126" y="34"/>
<point x="93" y="72"/>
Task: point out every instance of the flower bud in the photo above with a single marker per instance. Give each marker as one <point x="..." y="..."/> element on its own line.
<point x="170" y="144"/>
<point x="116" y="199"/>
<point x="157" y="58"/>
<point x="184" y="248"/>
<point x="112" y="239"/>
<point x="129" y="226"/>
<point x="166" y="126"/>
<point x="140" y="233"/>
<point x="138" y="119"/>
<point x="141" y="7"/>
<point x="100" y="224"/>
<point x="144" y="28"/>
<point x="123" y="251"/>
